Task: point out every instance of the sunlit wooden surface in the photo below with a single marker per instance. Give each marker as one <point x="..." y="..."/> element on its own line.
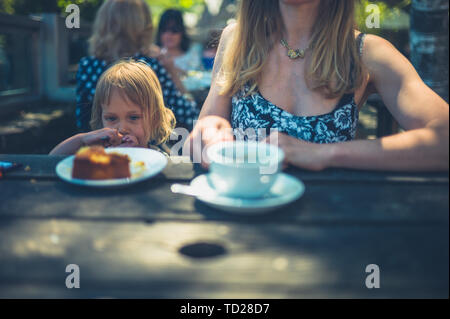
<point x="144" y="241"/>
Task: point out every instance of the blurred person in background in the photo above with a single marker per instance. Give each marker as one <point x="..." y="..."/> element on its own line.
<point x="123" y="29"/>
<point x="210" y="49"/>
<point x="175" y="45"/>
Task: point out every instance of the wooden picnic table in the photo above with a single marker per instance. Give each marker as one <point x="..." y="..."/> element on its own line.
<point x="146" y="242"/>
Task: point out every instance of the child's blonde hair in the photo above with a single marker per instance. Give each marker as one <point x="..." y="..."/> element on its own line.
<point x="121" y="29"/>
<point x="139" y="84"/>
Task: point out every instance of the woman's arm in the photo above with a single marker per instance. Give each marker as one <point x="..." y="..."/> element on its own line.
<point x="424" y="149"/>
<point x="417" y="109"/>
<point x="420" y="112"/>
<point x="213" y="124"/>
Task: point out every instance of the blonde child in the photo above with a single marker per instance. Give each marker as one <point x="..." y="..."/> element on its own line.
<point x="128" y="111"/>
<point x="123" y="29"/>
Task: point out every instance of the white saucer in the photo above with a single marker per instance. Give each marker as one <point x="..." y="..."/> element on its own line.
<point x="285" y="190"/>
<point x="145" y="163"/>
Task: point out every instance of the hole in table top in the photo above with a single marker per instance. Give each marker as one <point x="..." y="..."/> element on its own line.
<point x="203" y="250"/>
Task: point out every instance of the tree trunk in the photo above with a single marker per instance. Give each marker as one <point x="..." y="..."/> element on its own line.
<point x="429" y="43"/>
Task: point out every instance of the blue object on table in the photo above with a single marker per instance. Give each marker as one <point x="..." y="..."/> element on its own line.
<point x="6" y="166"/>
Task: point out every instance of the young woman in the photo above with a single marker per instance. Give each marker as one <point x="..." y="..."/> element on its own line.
<point x="296" y="73"/>
<point x="122" y="29"/>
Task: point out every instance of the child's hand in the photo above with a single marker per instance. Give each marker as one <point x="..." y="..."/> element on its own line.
<point x="129" y="141"/>
<point x="105" y="136"/>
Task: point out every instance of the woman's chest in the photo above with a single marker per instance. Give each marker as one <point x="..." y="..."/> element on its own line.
<point x="285" y="85"/>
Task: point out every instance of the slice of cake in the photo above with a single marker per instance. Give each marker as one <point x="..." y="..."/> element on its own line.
<point x="94" y="163"/>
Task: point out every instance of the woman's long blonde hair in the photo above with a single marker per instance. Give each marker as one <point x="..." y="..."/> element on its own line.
<point x="335" y="68"/>
<point x="139" y="84"/>
<point x="122" y="28"/>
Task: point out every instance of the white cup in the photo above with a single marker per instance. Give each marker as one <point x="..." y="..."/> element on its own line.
<point x="243" y="169"/>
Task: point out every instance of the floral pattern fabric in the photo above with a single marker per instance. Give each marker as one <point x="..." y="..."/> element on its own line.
<point x="253" y="117"/>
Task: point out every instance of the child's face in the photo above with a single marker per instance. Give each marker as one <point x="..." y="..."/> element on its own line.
<point x="125" y="116"/>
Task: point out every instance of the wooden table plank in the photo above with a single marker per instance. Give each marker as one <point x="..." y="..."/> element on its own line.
<point x="264" y="261"/>
<point x="127" y="241"/>
<point x="33" y="166"/>
<point x="345" y="202"/>
<point x="43" y="167"/>
<point x="349" y="175"/>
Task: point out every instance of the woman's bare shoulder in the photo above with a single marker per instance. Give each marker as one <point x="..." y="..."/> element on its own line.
<point x="378" y="55"/>
<point x="378" y="50"/>
<point x="229" y="29"/>
<point x="224" y="39"/>
<point x="227" y="34"/>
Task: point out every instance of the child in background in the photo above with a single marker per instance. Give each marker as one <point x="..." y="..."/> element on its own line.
<point x="128" y="111"/>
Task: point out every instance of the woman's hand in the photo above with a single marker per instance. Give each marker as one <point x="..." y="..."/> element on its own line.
<point x="302" y="154"/>
<point x="106" y="137"/>
<point x="153" y="51"/>
<point x="166" y="59"/>
<point x="209" y="130"/>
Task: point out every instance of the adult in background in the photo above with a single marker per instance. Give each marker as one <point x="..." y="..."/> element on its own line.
<point x="123" y="29"/>
<point x="175" y="44"/>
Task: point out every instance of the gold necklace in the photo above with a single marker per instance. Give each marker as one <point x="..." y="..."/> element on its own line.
<point x="294" y="54"/>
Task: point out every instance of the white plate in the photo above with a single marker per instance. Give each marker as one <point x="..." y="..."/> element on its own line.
<point x="285" y="190"/>
<point x="154" y="163"/>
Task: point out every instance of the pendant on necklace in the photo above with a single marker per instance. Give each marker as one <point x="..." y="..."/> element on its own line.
<point x="295" y="54"/>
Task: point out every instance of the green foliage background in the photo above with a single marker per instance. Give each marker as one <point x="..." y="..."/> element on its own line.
<point x="390" y="9"/>
<point x="190" y="6"/>
<point x="88" y="8"/>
